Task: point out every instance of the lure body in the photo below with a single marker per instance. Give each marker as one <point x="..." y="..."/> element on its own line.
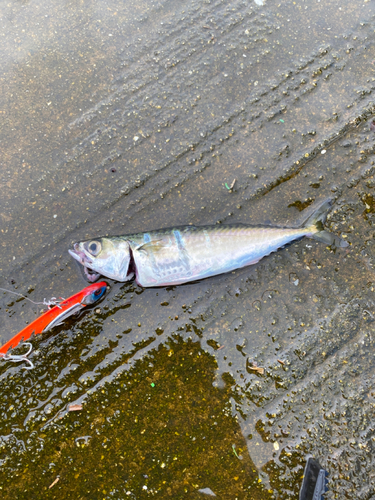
<point x="57" y="314"/>
<point x="178" y="255"/>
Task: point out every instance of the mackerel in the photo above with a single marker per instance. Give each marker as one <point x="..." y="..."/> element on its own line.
<point x="178" y="255"/>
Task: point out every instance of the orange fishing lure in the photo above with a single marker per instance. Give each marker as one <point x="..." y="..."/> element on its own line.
<point x="53" y="317"/>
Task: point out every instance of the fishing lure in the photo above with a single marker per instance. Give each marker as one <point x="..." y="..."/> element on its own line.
<point x="53" y="317"/>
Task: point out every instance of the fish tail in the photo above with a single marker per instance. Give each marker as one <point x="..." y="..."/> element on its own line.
<point x="315" y="228"/>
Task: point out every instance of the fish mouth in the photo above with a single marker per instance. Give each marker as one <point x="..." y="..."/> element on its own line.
<point x="82" y="259"/>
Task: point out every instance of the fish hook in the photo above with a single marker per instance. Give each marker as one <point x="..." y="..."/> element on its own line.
<point x="53" y="302"/>
<point x="17" y="358"/>
<point x="49" y="303"/>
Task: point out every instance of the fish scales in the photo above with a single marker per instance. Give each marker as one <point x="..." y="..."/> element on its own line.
<point x="181" y="254"/>
<point x="184" y="254"/>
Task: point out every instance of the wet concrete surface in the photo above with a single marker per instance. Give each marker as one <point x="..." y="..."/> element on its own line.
<point x="119" y="119"/>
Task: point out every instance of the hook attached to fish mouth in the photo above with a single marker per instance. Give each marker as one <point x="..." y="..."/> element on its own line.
<point x="17" y="358"/>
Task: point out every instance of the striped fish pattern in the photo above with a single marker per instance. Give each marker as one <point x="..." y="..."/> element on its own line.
<point x="179" y="255"/>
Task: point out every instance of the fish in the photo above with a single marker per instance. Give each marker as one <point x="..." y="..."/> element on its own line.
<point x="183" y="254"/>
<point x="56" y="315"/>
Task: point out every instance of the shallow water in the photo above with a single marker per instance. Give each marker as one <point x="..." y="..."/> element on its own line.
<point x="119" y="119"/>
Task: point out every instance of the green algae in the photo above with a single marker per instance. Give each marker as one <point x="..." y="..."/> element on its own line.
<point x="134" y="437"/>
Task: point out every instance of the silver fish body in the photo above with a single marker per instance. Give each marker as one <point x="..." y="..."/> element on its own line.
<point x="183" y="254"/>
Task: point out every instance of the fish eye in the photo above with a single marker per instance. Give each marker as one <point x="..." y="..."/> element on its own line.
<point x="94" y="247"/>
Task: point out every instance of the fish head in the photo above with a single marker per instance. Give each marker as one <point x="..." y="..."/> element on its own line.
<point x="108" y="257"/>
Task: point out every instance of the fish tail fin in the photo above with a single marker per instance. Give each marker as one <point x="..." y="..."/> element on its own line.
<point x="314" y="224"/>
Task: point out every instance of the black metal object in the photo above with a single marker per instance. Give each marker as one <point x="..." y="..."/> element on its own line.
<point x="315" y="482"/>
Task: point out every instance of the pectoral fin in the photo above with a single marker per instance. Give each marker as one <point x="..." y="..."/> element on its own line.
<point x="153" y="246"/>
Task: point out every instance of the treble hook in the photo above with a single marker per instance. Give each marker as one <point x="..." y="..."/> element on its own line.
<point x="16" y="358"/>
<point x="53" y="302"/>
